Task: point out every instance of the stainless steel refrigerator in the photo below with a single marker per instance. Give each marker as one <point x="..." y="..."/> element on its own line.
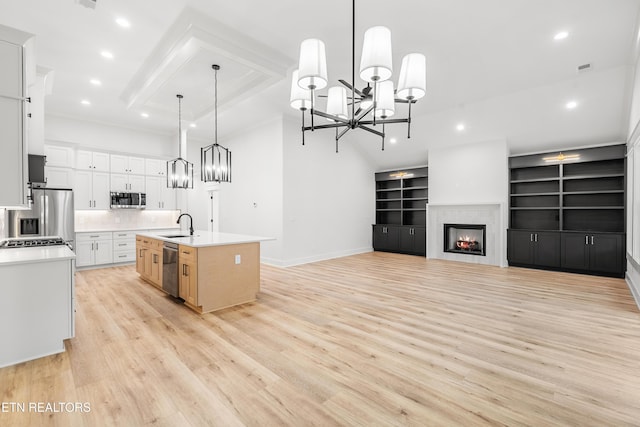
<point x="51" y="215"/>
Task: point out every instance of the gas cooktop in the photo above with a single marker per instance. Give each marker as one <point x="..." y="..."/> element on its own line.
<point x="35" y="242"/>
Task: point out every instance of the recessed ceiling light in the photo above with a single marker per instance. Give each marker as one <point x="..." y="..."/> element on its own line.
<point x="393" y="140"/>
<point x="145" y="115"/>
<point x="95" y="82"/>
<point x="561" y="35"/>
<point x="193" y="125"/>
<point x="123" y="22"/>
<point x="85" y="102"/>
<point x="571" y="105"/>
<point x="107" y="54"/>
<point x="460" y="127"/>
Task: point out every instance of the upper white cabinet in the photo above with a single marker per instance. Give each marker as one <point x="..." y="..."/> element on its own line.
<point x="14" y="47"/>
<point x="123" y="183"/>
<point x="92" y="160"/>
<point x="91" y="190"/>
<point x="159" y="197"/>
<point x="59" y="156"/>
<point x="126" y="164"/>
<point x="58" y="177"/>
<point x="156" y="167"/>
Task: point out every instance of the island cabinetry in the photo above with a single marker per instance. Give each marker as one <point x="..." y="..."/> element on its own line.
<point x="149" y="260"/>
<point x="216" y="277"/>
<point x="188" y="271"/>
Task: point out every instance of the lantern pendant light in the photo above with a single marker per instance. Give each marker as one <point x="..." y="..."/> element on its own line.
<point x="180" y="171"/>
<point x="215" y="160"/>
<point x="377" y="98"/>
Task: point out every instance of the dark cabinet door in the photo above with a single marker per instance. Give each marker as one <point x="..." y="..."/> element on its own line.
<point x="385" y="237"/>
<point x="606" y="253"/>
<point x="420" y="240"/>
<point x="575" y="251"/>
<point x="546" y="247"/>
<point x="520" y="247"/>
<point x="406" y="240"/>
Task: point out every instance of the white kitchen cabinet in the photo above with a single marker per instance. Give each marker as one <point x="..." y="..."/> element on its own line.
<point x="127" y="164"/>
<point x="91" y="190"/>
<point x="159" y="197"/>
<point x="92" y="160"/>
<point x="94" y="249"/>
<point x="13" y="116"/>
<point x="59" y="156"/>
<point x="124" y="246"/>
<point x="127" y="183"/>
<point x="156" y="167"/>
<point x="58" y="177"/>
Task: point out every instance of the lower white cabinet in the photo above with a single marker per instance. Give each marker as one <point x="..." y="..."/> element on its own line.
<point x="94" y="249"/>
<point x="124" y="246"/>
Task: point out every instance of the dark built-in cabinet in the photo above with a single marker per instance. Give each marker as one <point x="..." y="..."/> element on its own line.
<point x="401" y="206"/>
<point x="567" y="210"/>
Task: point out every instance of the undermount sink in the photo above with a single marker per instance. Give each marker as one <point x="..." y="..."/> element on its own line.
<point x="175" y="236"/>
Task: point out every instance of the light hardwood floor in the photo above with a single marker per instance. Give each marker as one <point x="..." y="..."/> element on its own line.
<point x="372" y="339"/>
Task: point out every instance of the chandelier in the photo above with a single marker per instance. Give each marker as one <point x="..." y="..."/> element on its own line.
<point x="215" y="160"/>
<point x="378" y="98"/>
<point x="180" y="171"/>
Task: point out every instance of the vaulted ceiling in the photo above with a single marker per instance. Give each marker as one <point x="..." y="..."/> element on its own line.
<point x="492" y="65"/>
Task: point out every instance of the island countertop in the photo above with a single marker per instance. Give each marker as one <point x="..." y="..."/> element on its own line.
<point x="203" y="238"/>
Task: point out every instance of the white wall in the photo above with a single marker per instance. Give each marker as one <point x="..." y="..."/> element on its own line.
<point x="252" y="202"/>
<point x="633" y="184"/>
<point x="110" y="138"/>
<point x="469" y="173"/>
<point x="329" y="197"/>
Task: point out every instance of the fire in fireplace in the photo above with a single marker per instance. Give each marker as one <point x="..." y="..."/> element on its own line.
<point x="468" y="239"/>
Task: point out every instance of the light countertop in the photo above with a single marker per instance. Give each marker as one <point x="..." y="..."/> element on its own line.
<point x="10" y="256"/>
<point x="203" y="238"/>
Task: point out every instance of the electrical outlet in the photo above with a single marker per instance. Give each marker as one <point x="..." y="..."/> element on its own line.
<point x="238" y="259"/>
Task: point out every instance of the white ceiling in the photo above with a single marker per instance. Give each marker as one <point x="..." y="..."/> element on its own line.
<point x="491" y="64"/>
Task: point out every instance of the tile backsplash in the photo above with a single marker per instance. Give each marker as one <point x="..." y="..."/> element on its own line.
<point x="124" y="219"/>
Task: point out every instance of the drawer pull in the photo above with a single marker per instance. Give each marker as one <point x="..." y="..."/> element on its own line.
<point x="122" y="256"/>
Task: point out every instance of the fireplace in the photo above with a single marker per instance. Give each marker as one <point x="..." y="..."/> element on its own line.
<point x="468" y="239"/>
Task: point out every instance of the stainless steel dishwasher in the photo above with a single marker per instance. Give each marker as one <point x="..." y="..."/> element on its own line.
<point x="170" y="269"/>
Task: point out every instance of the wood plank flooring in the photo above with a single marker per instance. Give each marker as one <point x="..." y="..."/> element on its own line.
<point x="371" y="339"/>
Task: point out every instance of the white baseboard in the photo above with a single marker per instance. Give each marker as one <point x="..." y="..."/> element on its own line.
<point x="633" y="281"/>
<point x="315" y="258"/>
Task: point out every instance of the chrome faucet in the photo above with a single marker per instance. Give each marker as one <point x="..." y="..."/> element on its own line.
<point x="190" y="222"/>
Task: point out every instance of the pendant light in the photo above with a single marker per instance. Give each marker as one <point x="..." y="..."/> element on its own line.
<point x="215" y="160"/>
<point x="180" y="171"/>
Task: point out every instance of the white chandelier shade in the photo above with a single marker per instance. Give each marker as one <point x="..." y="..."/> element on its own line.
<point x="337" y="102"/>
<point x="385" y="100"/>
<point x="300" y="98"/>
<point x="312" y="71"/>
<point x="376" y="61"/>
<point x="412" y="83"/>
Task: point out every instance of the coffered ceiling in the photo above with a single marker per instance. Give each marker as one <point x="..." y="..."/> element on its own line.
<point x="492" y="64"/>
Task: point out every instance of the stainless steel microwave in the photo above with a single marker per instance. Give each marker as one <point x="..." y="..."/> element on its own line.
<point x="128" y="200"/>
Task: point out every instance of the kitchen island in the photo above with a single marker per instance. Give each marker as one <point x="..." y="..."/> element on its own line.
<point x="214" y="270"/>
<point x="37" y="304"/>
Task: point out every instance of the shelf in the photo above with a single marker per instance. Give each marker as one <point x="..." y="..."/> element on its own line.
<point x="519" y="181"/>
<point x="415" y="188"/>
<point x="534" y="208"/>
<point x="389" y="210"/>
<point x="415" y="209"/>
<point x="608" y="175"/>
<point x="415" y="198"/>
<point x="591" y="207"/>
<point x="557" y="193"/>
<point x="390" y="200"/>
<point x="566" y="193"/>
<point x="384" y="190"/>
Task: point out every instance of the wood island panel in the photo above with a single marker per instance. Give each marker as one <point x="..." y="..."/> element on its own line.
<point x="223" y="283"/>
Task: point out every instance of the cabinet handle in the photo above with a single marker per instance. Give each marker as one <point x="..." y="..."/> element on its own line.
<point x="140" y="253"/>
<point x="186" y="252"/>
<point x="536" y="238"/>
<point x="122" y="256"/>
<point x="586" y="240"/>
<point x="531" y="237"/>
<point x="592" y="240"/>
<point x="89" y="203"/>
<point x="122" y="244"/>
<point x="97" y="247"/>
<point x="92" y="246"/>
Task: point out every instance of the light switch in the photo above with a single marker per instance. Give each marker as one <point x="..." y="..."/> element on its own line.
<point x="238" y="259"/>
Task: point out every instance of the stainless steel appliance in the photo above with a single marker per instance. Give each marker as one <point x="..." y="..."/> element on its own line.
<point x="170" y="269"/>
<point x="51" y="215"/>
<point x="29" y="243"/>
<point x="128" y="200"/>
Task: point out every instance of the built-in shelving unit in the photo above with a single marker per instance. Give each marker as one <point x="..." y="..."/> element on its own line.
<point x="401" y="206"/>
<point x="579" y="191"/>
